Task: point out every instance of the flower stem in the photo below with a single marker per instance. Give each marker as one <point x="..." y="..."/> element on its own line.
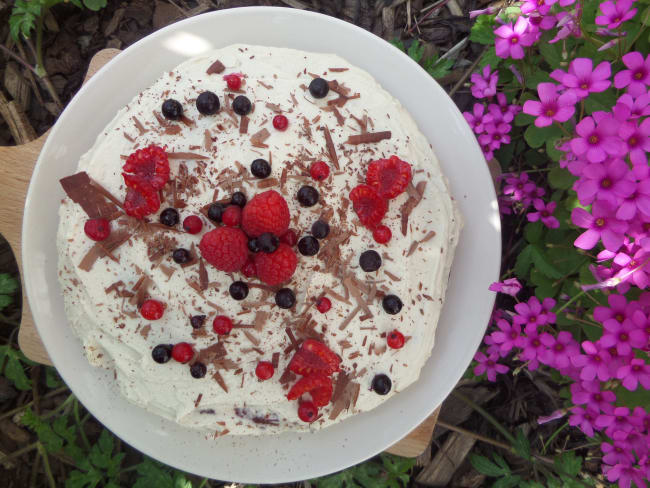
<point x="553" y="436"/>
<point x="566" y="132"/>
<point x="573" y="299"/>
<point x="23" y="407"/>
<point x="486" y="415"/>
<point x="77" y="419"/>
<point x="46" y="464"/>
<point x="40" y="67"/>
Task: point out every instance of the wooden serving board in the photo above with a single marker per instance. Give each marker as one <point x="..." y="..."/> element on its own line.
<point x="16" y="167"/>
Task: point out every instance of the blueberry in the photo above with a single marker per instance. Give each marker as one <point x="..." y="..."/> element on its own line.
<point x="261" y="168"/>
<point x="254" y="245"/>
<point x="308" y="196"/>
<point x="285" y="298"/>
<point x="162" y="353"/>
<point x="318" y="88"/>
<point x="215" y="211"/>
<point x="198" y="370"/>
<point x="370" y="261"/>
<point x="207" y="103"/>
<point x="197" y="321"/>
<point x="239" y="199"/>
<point x="268" y="242"/>
<point x="169" y="217"/>
<point x="172" y="109"/>
<point x="238" y="290"/>
<point x="241" y="105"/>
<point x="320" y="229"/>
<point x="381" y="384"/>
<point x="181" y="256"/>
<point x="392" y="304"/>
<point x="308" y="246"/>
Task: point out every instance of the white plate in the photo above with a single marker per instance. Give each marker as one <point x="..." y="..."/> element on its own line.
<point x="286" y="457"/>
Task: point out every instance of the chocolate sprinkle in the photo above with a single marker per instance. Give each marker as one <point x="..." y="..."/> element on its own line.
<point x="275" y="360"/>
<point x="138" y="125"/>
<point x="216" y="68"/>
<point x="330" y="148"/>
<point x="185" y="155"/>
<point x="80" y="189"/>
<point x="243" y="126"/>
<point x="203" y="275"/>
<point x="369" y="137"/>
<point x="112" y="242"/>
<point x="257" y="139"/>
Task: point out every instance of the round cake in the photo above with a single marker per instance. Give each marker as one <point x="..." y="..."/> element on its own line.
<point x="259" y="242"/>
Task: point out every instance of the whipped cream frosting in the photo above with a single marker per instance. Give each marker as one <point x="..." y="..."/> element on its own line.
<point x="101" y="299"/>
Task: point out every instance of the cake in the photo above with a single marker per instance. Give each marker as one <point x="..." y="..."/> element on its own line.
<point x="259" y="242"/>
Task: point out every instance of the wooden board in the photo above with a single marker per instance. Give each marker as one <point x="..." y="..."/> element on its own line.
<point x="16" y="167"/>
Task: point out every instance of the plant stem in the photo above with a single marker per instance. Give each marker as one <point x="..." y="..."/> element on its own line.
<point x="486" y="415"/>
<point x="40" y="66"/>
<point x="573" y="299"/>
<point x="84" y="439"/>
<point x="566" y="132"/>
<point x="203" y="482"/>
<point x="46" y="464"/>
<point x="553" y="436"/>
<point x="59" y="408"/>
<point x="18" y="58"/>
<point x="22" y="407"/>
<point x="19" y="452"/>
<point x="129" y="469"/>
<point x="478" y="437"/>
<point x="469" y="70"/>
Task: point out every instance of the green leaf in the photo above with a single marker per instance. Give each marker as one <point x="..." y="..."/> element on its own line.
<point x="13" y="369"/>
<point x="8" y="284"/>
<point x="637" y="398"/>
<point x="50" y="440"/>
<point x="543" y="264"/>
<point x="552" y="53"/>
<point x="522" y="119"/>
<point x="498" y="458"/>
<point x="535" y="78"/>
<point x="484" y="466"/>
<point x="533" y="232"/>
<point x="507" y="482"/>
<point x="398" y="44"/>
<point x="483" y="30"/>
<point x="544" y="286"/>
<point x="52" y="378"/>
<point x="521" y="445"/>
<point x="415" y="51"/>
<point x="437" y="68"/>
<point x="105" y="442"/>
<point x="180" y="481"/>
<point x="537" y="136"/>
<point x="490" y="57"/>
<point x="77" y="479"/>
<point x="94" y="4"/>
<point x="568" y="463"/>
<point x="551" y="149"/>
<point x="153" y="475"/>
<point x="23" y="17"/>
<point x="600" y="101"/>
<point x="531" y="484"/>
<point x="524" y="262"/>
<point x="560" y="178"/>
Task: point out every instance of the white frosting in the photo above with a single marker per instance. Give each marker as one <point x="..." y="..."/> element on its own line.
<point x="113" y="340"/>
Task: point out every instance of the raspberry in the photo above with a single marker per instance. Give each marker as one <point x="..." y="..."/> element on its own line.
<point x="231" y="216"/>
<point x="319" y="170"/>
<point x="151" y="163"/>
<point x="395" y="339"/>
<point x="368" y="205"/>
<point x="248" y="269"/>
<point x="182" y="352"/>
<point x="97" y="229"/>
<point x="221" y="325"/>
<point x="307" y="412"/>
<point x="276" y="267"/>
<point x="389" y="177"/>
<point x="323" y="305"/>
<point x="192" y="224"/>
<point x="265" y="212"/>
<point x="142" y="199"/>
<point x="318" y="385"/>
<point x="152" y="309"/>
<point x="225" y="248"/>
<point x="290" y="238"/>
<point x="264" y="370"/>
<point x="280" y="122"/>
<point x="382" y="234"/>
<point x="233" y="80"/>
<point x="314" y="356"/>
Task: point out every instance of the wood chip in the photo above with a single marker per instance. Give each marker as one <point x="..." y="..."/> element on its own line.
<point x="330" y="148"/>
<point x="216" y="68"/>
<point x="369" y="137"/>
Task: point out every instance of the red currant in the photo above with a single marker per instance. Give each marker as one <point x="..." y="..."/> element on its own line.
<point x="222" y="325"/>
<point x="231" y="216"/>
<point x="182" y="352"/>
<point x="152" y="309"/>
<point x="233" y="80"/>
<point x="248" y="269"/>
<point x="290" y="238"/>
<point x="382" y="234"/>
<point x="395" y="339"/>
<point x="264" y="370"/>
<point x="323" y="304"/>
<point x="280" y="122"/>
<point x="192" y="224"/>
<point x="307" y="412"/>
<point x="319" y="170"/>
<point x="97" y="229"/>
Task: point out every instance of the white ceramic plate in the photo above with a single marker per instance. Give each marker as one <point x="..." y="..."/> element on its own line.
<point x="286" y="457"/>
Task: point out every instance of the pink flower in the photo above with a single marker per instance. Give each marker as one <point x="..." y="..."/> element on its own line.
<point x="637" y="139"/>
<point x="510" y="40"/>
<point x="596" y="141"/>
<point x="547" y="306"/>
<point x="520" y="187"/>
<point x="545" y="213"/>
<point x="486" y="11"/>
<point x="600" y="224"/>
<point x="625" y="474"/>
<point x="595" y="363"/>
<point x="638" y="200"/>
<point x="634" y="373"/>
<point x="568" y="26"/>
<point x="618" y="452"/>
<point x="589" y="392"/>
<point x="611" y="181"/>
<point x="478" y="118"/>
<point x="637" y="76"/>
<point x="495" y="135"/>
<point x="489" y="365"/>
<point x="615" y="13"/>
<point x="484" y="85"/>
<point x="531" y="347"/>
<point x="505" y="205"/>
<point x="618" y="311"/>
<point x="582" y="79"/>
<point x="511" y="287"/>
<point x="634" y="266"/>
<point x="552" y="106"/>
<point x="628" y="107"/>
<point x="540" y="22"/>
<point x="584" y="419"/>
<point x="503" y="111"/>
<point x="623" y="336"/>
<point x="615" y="420"/>
<point x="530" y="313"/>
<point x="508" y="336"/>
<point x="559" y="351"/>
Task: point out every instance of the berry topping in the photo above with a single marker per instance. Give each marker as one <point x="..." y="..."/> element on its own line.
<point x="323" y="304"/>
<point x="192" y="224"/>
<point x="225" y="248"/>
<point x="268" y="242"/>
<point x="162" y="353"/>
<point x="231" y="216"/>
<point x="241" y="105"/>
<point x="290" y="238"/>
<point x="233" y="81"/>
<point x="370" y="261"/>
<point x="314" y="356"/>
<point x="395" y="339"/>
<point x="261" y="168"/>
<point x="172" y="109"/>
<point x="266" y="212"/>
<point x="320" y="229"/>
<point x="254" y="245"/>
<point x="152" y="309"/>
<point x="197" y="321"/>
<point x="182" y="352"/>
<point x="215" y="211"/>
<point x="248" y="269"/>
<point x="141" y="199"/>
<point x="221" y="325"/>
<point x="389" y="177"/>
<point x="198" y="370"/>
<point x="285" y="298"/>
<point x="97" y="229"/>
<point x="318" y="88"/>
<point x="264" y="370"/>
<point x="319" y="170"/>
<point x="280" y="122"/>
<point x="307" y="196"/>
<point x="308" y="246"/>
<point x="151" y="163"/>
<point x="381" y="384"/>
<point x="307" y="412"/>
<point x="382" y="234"/>
<point x="319" y="385"/>
<point x="239" y="199"/>
<point x="169" y="217"/>
<point x="392" y="304"/>
<point x="181" y="256"/>
<point x="207" y="103"/>
<point x="276" y="267"/>
<point x="238" y="290"/>
<point x="368" y="205"/>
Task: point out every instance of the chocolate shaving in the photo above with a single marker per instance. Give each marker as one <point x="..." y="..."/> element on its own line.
<point x="193" y="259"/>
<point x="428" y="237"/>
<point x="198" y="400"/>
<point x="195" y="286"/>
<point x="292" y="338"/>
<point x="257" y="139"/>
<point x="330" y="148"/>
<point x="254" y="340"/>
<point x="260" y="320"/>
<point x="306" y="127"/>
<point x="80" y="189"/>
<point x="354" y="355"/>
<point x="339" y="88"/>
<point x="268" y="87"/>
<point x="141" y="292"/>
<point x="268" y="182"/>
<point x="213" y="305"/>
<point x="408" y="206"/>
<point x="339" y="118"/>
<point x="287" y="376"/>
<point x="144" y="332"/>
<point x="106" y="193"/>
<point x="368" y="137"/>
<point x="185" y="155"/>
<point x="275" y="360"/>
<point x="138" y="125"/>
<point x="363" y="124"/>
<point x="349" y="318"/>
<point x="392" y="276"/>
<point x="243" y="326"/>
<point x="112" y="242"/>
<point x="216" y="68"/>
<point x="243" y="126"/>
<point x="336" y="296"/>
<point x="337" y="70"/>
<point x="207" y="140"/>
<point x="172" y="130"/>
<point x="203" y="275"/>
<point x="219" y="379"/>
<point x="128" y="137"/>
<point x="356" y="388"/>
<point x="342" y="100"/>
<point x="210" y="354"/>
<point x="414" y="246"/>
<point x="274" y="107"/>
<point x="340" y="397"/>
<point x="187" y="121"/>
